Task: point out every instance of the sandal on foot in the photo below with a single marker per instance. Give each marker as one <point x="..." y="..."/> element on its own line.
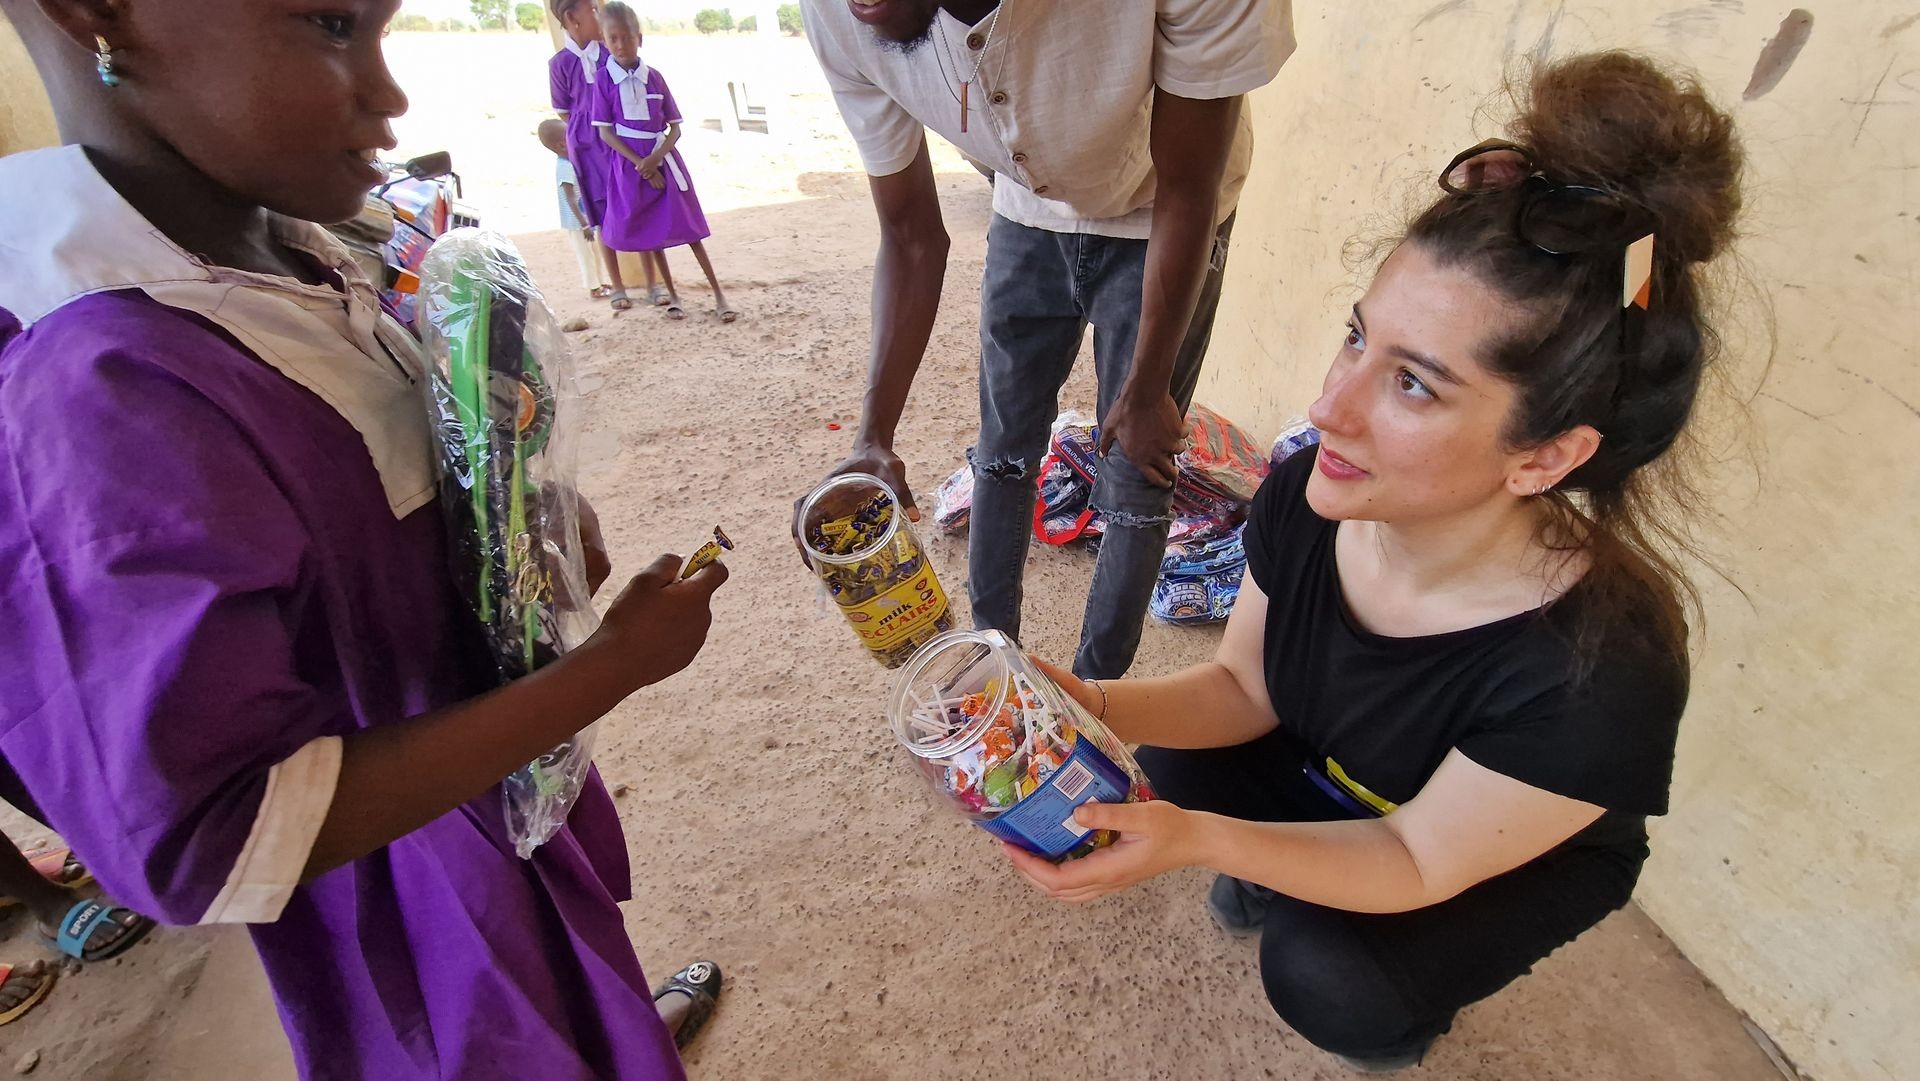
<point x="617" y="300"/>
<point x="600" y="292"/>
<point x="727" y="315"/>
<point x="656" y="295"/>
<point x="699" y="981"/>
<point x="676" y="312"/>
<point x="18" y="1010"/>
<point x="56" y="865"/>
<point x="87" y="919"/>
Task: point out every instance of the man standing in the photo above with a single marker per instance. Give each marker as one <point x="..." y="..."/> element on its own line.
<point x="1117" y="135"/>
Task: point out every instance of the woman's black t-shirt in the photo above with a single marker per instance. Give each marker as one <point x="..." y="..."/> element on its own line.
<point x="1376" y="715"/>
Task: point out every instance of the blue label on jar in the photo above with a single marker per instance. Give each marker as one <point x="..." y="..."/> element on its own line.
<point x="1043" y="822"/>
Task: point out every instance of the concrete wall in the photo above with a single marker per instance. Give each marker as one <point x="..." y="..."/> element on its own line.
<point x="25" y="119"/>
<point x="1789" y="869"/>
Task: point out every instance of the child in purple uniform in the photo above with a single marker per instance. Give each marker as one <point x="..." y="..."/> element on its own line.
<point x="239" y="680"/>
<point x="651" y="204"/>
<point x="571" y="74"/>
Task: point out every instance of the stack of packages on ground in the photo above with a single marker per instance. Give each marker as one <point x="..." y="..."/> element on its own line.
<point x="1200" y="575"/>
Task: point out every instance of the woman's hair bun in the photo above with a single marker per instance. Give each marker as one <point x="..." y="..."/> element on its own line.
<point x="1617" y="121"/>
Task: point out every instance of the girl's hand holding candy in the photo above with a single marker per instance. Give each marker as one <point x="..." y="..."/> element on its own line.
<point x="657" y="624"/>
<point x="1155" y="837"/>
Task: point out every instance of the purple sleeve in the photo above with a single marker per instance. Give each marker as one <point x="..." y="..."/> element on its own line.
<point x="602" y="111"/>
<point x="669" y="109"/>
<point x="561" y="78"/>
<point x="150" y="569"/>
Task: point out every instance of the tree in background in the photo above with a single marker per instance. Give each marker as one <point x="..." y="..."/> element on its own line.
<point x="410" y="21"/>
<point x="749" y="24"/>
<point x="529" y="16"/>
<point x="789" y="18"/>
<point x="711" y="21"/>
<point x="490" y="14"/>
<point x="453" y="25"/>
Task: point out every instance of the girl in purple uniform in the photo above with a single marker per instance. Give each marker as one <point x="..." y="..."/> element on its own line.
<point x="239" y="680"/>
<point x="570" y="76"/>
<point x="651" y="204"/>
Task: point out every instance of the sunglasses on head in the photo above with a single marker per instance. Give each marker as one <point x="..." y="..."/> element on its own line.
<point x="1564" y="220"/>
<point x="1559" y="219"/>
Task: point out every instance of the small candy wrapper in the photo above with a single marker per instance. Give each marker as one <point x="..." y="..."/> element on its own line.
<point x="707" y="553"/>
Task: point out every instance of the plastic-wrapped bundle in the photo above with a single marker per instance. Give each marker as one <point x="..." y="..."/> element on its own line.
<point x="1219" y="471"/>
<point x="1217" y="475"/>
<point x="1200" y="580"/>
<point x="1298" y="435"/>
<point x="505" y="417"/>
<point x="1002" y="745"/>
<point x="953" y="500"/>
<point x="1076" y="441"/>
<point x="1064" y="510"/>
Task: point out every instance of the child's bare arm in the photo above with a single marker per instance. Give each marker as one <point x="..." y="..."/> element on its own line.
<point x="397" y="778"/>
<point x="666" y="146"/>
<point x="573" y="203"/>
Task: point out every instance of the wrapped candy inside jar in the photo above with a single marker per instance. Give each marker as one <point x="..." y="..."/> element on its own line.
<point x="1004" y="746"/>
<point x="872" y="566"/>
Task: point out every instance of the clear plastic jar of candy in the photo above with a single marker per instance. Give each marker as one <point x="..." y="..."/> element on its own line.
<point x="1006" y="747"/>
<point x="871" y="564"/>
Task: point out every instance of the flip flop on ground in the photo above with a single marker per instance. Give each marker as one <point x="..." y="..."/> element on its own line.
<point x="617" y="300"/>
<point x="21" y="989"/>
<point x="56" y="865"/>
<point x="96" y="931"/>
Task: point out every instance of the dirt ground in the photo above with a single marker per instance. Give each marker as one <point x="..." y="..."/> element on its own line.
<point x="773" y="825"/>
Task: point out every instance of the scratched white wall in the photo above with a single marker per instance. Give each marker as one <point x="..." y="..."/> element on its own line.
<point x="1789" y="869"/>
<point x="25" y="119"/>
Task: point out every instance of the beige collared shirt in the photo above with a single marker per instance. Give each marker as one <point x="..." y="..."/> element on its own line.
<point x="66" y="233"/>
<point x="1061" y="104"/>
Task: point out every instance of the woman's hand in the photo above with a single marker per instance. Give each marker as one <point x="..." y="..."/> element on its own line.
<point x="650" y="169"/>
<point x="1079" y="689"/>
<point x="1154" y="838"/>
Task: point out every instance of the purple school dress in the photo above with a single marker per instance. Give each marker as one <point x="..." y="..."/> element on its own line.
<point x="637" y="105"/>
<point x="570" y="78"/>
<point x="207" y="576"/>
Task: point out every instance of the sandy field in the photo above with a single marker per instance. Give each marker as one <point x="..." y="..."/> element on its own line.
<point x="773" y="825"/>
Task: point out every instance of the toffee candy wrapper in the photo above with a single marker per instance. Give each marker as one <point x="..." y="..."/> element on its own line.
<point x="871" y="564"/>
<point x="1004" y="746"/>
<point x="707" y="553"/>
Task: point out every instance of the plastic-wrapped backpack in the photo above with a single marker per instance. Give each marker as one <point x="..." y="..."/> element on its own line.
<point x="505" y="417"/>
